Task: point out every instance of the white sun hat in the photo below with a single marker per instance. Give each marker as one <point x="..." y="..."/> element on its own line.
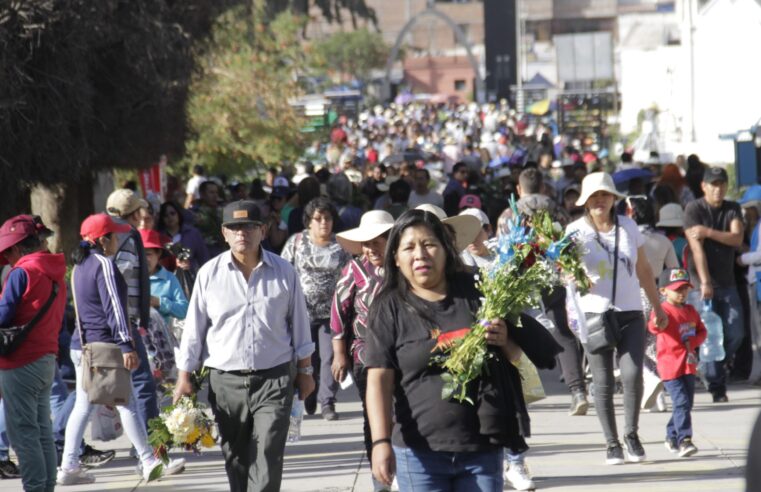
<point x="670" y="215"/>
<point x="466" y="227"/>
<point x="372" y="224"/>
<point x="594" y="182"/>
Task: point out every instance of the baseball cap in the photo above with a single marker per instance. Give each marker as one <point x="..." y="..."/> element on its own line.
<point x="15" y="230"/>
<point x="280" y="187"/>
<point x="470" y="201"/>
<point x="123" y="202"/>
<point x="151" y="239"/>
<point x="241" y="212"/>
<point x="98" y="225"/>
<point x="714" y="175"/>
<point x="674" y="278"/>
<point x="477" y="213"/>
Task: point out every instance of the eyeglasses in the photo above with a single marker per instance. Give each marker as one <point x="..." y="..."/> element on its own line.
<point x="246" y="226"/>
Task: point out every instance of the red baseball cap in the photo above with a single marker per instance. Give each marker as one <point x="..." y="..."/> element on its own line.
<point x="15" y="230"/>
<point x="151" y="239"/>
<point x="98" y="225"/>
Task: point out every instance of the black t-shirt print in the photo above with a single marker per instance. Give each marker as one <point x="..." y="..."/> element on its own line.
<point x="401" y="339"/>
<point x="720" y="257"/>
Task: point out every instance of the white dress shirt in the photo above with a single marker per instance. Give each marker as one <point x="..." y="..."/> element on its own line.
<point x="235" y="325"/>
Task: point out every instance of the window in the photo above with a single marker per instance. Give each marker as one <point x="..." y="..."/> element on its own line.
<point x="459" y="85"/>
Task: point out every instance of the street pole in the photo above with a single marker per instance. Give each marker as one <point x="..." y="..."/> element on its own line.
<point x="519" y="55"/>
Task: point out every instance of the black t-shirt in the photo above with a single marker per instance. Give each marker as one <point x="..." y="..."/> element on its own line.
<point x="402" y="339"/>
<point x="720" y="257"/>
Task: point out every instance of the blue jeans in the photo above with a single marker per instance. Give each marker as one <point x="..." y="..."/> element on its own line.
<point x="682" y="393"/>
<point x="26" y="393"/>
<point x="61" y="405"/>
<point x="441" y="471"/>
<point x="144" y="385"/>
<point x="726" y="303"/>
<point x="5" y="444"/>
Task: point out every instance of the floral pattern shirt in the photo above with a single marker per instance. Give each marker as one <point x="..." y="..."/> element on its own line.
<point x="359" y="284"/>
<point x="318" y="268"/>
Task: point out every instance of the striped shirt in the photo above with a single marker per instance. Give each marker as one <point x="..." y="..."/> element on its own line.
<point x="130" y="260"/>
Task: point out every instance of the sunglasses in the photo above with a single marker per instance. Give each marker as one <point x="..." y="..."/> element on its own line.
<point x="248" y="226"/>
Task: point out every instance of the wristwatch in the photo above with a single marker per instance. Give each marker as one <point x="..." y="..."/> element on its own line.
<point x="307" y="370"/>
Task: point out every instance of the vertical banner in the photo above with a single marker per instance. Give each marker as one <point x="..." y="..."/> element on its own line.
<point x="153" y="179"/>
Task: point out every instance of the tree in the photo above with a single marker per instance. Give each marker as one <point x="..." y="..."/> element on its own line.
<point x="354" y="53"/>
<point x="239" y="109"/>
<point x="88" y="86"/>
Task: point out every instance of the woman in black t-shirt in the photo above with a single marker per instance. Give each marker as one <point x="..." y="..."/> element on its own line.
<point x="436" y="444"/>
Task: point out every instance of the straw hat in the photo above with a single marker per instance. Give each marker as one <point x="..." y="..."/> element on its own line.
<point x="466" y="227"/>
<point x="594" y="182"/>
<point x="670" y="215"/>
<point x="373" y="224"/>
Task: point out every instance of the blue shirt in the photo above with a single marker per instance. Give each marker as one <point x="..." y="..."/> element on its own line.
<point x="172" y="300"/>
<point x="13" y="291"/>
<point x="234" y="324"/>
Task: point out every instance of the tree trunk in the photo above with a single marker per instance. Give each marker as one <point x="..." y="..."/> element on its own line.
<point x="62" y="208"/>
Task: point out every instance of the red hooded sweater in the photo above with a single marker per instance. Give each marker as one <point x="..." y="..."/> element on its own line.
<point x="41" y="270"/>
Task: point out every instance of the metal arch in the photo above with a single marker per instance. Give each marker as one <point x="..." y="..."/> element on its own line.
<point x="480" y="86"/>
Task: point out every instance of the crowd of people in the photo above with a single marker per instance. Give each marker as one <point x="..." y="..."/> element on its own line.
<point x="345" y="265"/>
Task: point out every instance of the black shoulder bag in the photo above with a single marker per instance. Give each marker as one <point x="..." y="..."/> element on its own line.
<point x="12" y="337"/>
<point x="603" y="332"/>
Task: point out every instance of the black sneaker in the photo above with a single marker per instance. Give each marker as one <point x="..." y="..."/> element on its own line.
<point x="719" y="398"/>
<point x="8" y="469"/>
<point x="93" y="458"/>
<point x="579" y="404"/>
<point x="671" y="445"/>
<point x="634" y="450"/>
<point x="329" y="412"/>
<point x="686" y="448"/>
<point x="614" y="455"/>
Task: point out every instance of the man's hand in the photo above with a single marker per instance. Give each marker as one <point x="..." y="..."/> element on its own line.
<point x="706" y="290"/>
<point x="184" y="386"/>
<point x="305" y="385"/>
<point x="155" y="302"/>
<point x="183" y="264"/>
<point x="340" y="366"/>
<point x="131" y="362"/>
<point x="698" y="232"/>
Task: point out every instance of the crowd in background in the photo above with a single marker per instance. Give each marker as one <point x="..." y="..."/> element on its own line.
<point x="466" y="159"/>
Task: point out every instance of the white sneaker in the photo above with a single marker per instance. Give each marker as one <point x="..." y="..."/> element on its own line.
<point x="157" y="469"/>
<point x="518" y="476"/>
<point x="74" y="477"/>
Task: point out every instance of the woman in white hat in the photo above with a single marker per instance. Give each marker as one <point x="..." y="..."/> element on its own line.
<point x="597" y="231"/>
<point x="671" y="223"/>
<point x="355" y="291"/>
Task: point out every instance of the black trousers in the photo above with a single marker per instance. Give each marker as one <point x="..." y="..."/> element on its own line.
<point x="571" y="356"/>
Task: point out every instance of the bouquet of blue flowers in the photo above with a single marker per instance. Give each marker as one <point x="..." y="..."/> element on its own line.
<point x="526" y="264"/>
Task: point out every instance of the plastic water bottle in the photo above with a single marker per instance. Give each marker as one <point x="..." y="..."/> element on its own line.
<point x="297" y="415"/>
<point x="712" y="349"/>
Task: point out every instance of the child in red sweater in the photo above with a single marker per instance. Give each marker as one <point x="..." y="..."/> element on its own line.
<point x="677" y="363"/>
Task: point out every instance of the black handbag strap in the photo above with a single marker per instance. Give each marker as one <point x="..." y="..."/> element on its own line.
<point x="45" y="307"/>
<point x="615" y="262"/>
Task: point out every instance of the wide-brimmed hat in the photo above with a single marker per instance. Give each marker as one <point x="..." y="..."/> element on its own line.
<point x="670" y="215"/>
<point x="466" y="227"/>
<point x="98" y="225"/>
<point x="15" y="230"/>
<point x="372" y="224"/>
<point x="595" y="182"/>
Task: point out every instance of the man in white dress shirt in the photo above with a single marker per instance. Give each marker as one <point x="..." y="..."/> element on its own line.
<point x="247" y="322"/>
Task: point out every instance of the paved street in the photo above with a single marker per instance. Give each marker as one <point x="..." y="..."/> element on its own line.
<point x="567" y="453"/>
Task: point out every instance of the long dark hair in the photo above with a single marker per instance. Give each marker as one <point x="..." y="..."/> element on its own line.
<point x="160" y="226"/>
<point x="394" y="283"/>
